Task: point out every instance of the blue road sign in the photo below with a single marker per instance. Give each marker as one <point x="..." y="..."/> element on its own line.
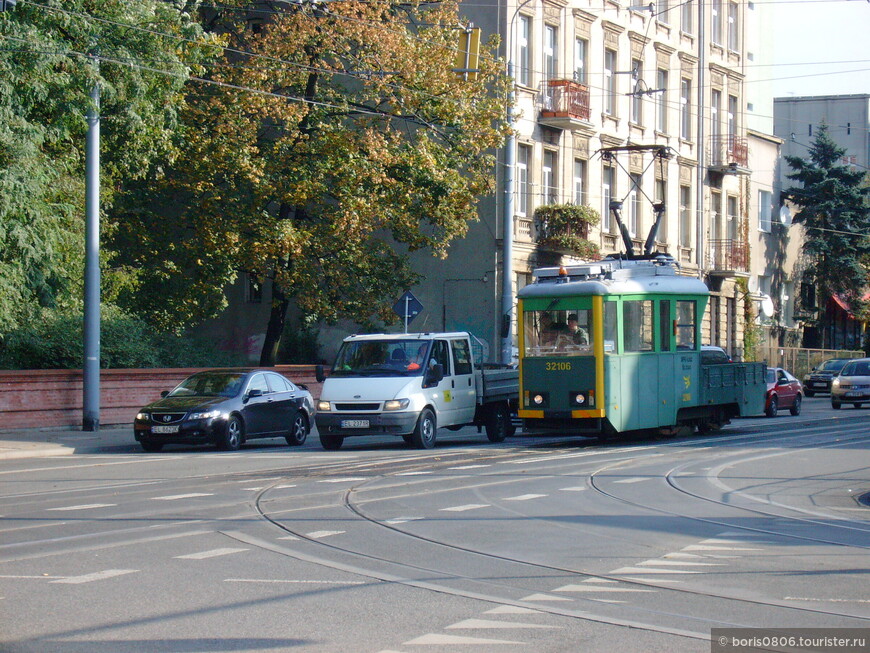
<point x="408" y="307"/>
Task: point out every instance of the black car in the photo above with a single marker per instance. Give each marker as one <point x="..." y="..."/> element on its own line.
<point x="819" y="380"/>
<point x="226" y="408"/>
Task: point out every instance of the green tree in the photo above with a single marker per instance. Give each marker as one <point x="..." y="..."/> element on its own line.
<point x="338" y="141"/>
<point x="833" y="208"/>
<point x="145" y="50"/>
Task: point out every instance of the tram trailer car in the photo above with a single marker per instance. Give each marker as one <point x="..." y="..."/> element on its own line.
<point x="614" y="346"/>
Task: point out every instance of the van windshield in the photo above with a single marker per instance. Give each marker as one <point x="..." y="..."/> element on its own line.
<point x="382" y="358"/>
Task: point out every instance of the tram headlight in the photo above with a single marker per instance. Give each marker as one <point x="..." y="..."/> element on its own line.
<point x="579" y="398"/>
<point x="538" y="399"/>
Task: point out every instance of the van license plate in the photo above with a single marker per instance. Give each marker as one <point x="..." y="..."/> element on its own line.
<point x="354" y="423"/>
<point x="164" y="429"/>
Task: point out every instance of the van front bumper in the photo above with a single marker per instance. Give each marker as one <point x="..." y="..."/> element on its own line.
<point x="347" y="424"/>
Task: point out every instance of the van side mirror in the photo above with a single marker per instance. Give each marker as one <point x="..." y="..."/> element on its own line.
<point x="434" y="374"/>
<point x="318" y="373"/>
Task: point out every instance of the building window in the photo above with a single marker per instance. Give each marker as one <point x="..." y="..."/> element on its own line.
<point x="524" y="51"/>
<point x="663" y="12"/>
<point x="579" y="182"/>
<point x="634" y="208"/>
<point x="732" y="115"/>
<point x="609" y="82"/>
<point x="608" y="188"/>
<point x="715" y="215"/>
<point x="687" y="18"/>
<point x="716" y="20"/>
<point x="548" y="178"/>
<point x="581" y="52"/>
<point x="551" y="52"/>
<point x="637" y="98"/>
<point x="732" y="221"/>
<point x="524" y="156"/>
<point x="686" y="109"/>
<point x="686" y="216"/>
<point x="765" y="207"/>
<point x="715" y="116"/>
<point x="253" y="290"/>
<point x="733" y="34"/>
<point x="661" y="196"/>
<point x="662" y="101"/>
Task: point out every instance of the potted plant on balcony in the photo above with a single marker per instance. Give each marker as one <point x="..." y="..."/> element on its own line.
<point x="565" y="228"/>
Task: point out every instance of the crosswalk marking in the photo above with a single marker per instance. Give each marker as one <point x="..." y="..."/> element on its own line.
<point x="413" y="473"/>
<point x="677" y="563"/>
<point x="577" y="488"/>
<point x="316" y="535"/>
<point x="511" y="609"/>
<point x="343" y="480"/>
<point x="434" y="639"/>
<point x="99" y="575"/>
<point x="202" y="555"/>
<point x="86" y="506"/>
<point x="490" y="624"/>
<point x="468" y="506"/>
<point x="469" y="467"/>
<point x="525" y="497"/>
<point x="649" y="570"/>
<point x="544" y="597"/>
<point x="599" y="588"/>
<point x="633" y="480"/>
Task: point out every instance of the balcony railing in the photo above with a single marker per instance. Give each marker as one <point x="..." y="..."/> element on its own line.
<point x="728" y="151"/>
<point x="564" y="99"/>
<point x="727" y="256"/>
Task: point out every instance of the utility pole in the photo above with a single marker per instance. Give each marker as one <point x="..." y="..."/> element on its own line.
<point x="507" y="280"/>
<point x="91" y="363"/>
<point x="702" y="64"/>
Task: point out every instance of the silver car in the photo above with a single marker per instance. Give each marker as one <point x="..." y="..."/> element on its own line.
<point x="852" y="385"/>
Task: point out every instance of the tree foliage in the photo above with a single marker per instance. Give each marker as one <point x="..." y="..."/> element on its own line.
<point x="832" y="200"/>
<point x="332" y="143"/>
<point x="144" y="52"/>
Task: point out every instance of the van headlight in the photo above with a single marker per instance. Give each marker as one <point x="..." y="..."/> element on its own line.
<point x="397" y="404"/>
<point x="323" y="407"/>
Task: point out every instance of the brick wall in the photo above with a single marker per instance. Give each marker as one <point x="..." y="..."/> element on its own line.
<point x="54" y="398"/>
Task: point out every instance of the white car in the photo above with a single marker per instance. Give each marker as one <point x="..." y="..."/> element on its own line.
<point x="852" y="385"/>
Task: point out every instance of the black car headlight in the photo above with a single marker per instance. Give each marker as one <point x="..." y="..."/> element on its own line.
<point x="209" y="414"/>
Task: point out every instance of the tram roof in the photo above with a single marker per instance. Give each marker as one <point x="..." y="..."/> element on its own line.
<point x="614" y="277"/>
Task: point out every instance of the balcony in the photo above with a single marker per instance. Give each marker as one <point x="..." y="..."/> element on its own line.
<point x="728" y="258"/>
<point x="564" y="104"/>
<point x="564" y="229"/>
<point x="728" y="155"/>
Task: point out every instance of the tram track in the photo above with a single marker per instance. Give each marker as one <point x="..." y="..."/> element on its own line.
<point x="500" y="592"/>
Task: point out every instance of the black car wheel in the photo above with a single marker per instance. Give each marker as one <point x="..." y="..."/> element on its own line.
<point x="772" y="407"/>
<point x="331" y="442"/>
<point x="423" y="436"/>
<point x="233" y="434"/>
<point x="298" y="430"/>
<point x="150" y="446"/>
<point x="796" y="406"/>
<point x="835" y="404"/>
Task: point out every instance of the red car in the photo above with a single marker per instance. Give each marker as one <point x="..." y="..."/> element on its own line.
<point x="783" y="391"/>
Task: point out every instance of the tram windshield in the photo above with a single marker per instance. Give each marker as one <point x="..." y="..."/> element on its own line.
<point x="558" y="333"/>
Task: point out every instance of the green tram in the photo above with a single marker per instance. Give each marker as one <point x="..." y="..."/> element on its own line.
<point x="614" y="346"/>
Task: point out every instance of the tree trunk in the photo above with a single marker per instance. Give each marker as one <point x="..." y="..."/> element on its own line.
<point x="277" y="317"/>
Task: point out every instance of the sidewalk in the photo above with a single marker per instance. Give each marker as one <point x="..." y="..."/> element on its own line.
<point x="60" y="441"/>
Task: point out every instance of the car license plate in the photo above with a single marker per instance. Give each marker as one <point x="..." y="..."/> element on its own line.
<point x="855" y="394"/>
<point x="354" y="423"/>
<point x="818" y="385"/>
<point x="164" y="429"/>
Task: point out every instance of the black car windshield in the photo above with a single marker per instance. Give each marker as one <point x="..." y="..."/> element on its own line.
<point x="833" y="365"/>
<point x="382" y="358"/>
<point x="210" y="384"/>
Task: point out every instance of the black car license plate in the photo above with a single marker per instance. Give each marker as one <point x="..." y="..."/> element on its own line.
<point x="164" y="429"/>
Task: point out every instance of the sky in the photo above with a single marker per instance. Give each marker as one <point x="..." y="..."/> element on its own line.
<point x="820" y="47"/>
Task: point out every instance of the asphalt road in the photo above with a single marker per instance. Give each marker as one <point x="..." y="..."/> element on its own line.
<point x="536" y="544"/>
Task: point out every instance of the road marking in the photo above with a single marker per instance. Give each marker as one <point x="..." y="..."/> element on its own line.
<point x="598" y="588"/>
<point x="412" y="473"/>
<point x="435" y="639"/>
<point x="677" y="563"/>
<point x="488" y="623"/>
<point x="32" y="577"/>
<point x="578" y="488"/>
<point x="633" y="480"/>
<point x="99" y="575"/>
<point x="343" y="480"/>
<point x="283" y="487"/>
<point x="648" y="570"/>
<point x="707" y="547"/>
<point x="544" y="597"/>
<point x="319" y="534"/>
<point x="301" y="582"/>
<point x="511" y="609"/>
<point x="401" y="520"/>
<point x="526" y="497"/>
<point x="252" y="489"/>
<point x="469" y="467"/>
<point x="468" y="506"/>
<point x="800" y="598"/>
<point x="85" y="506"/>
<point x="213" y="553"/>
<point x="192" y="495"/>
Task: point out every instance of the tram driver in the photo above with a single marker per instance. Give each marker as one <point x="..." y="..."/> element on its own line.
<point x="578" y="334"/>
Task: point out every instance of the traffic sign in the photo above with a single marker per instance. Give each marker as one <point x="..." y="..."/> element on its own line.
<point x="408" y="307"/>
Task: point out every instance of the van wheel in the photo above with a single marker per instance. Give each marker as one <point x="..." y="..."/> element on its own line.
<point x="423" y="436"/>
<point x="498" y="423"/>
<point x="331" y="442"/>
